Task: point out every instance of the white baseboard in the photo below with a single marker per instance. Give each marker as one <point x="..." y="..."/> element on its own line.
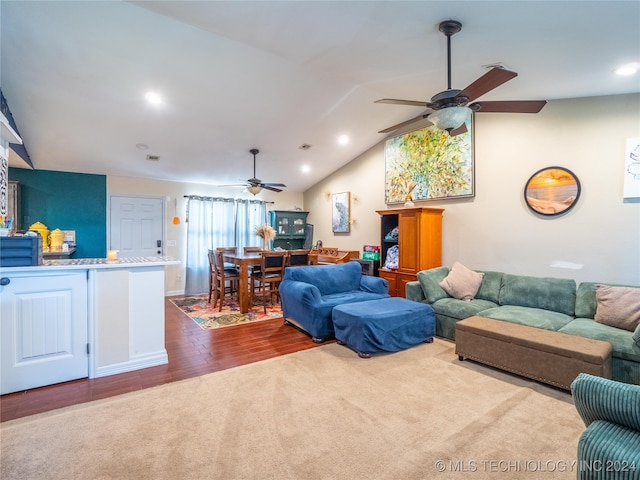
<point x="174" y="292"/>
<point x="136" y="363"/>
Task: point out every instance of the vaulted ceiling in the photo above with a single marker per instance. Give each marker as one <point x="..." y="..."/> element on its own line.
<point x="236" y="75"/>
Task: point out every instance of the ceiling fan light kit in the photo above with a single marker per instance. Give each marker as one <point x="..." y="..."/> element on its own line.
<point x="449" y="109"/>
<point x="449" y="118"/>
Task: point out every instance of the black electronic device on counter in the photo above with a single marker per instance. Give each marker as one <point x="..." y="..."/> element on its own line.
<point x="20" y="251"/>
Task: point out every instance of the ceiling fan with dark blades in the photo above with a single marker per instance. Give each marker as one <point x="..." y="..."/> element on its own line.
<point x="255" y="185"/>
<point x="448" y="110"/>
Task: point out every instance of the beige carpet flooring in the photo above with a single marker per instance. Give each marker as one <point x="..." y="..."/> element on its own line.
<point x="323" y="413"/>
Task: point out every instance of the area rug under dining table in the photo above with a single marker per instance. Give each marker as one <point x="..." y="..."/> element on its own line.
<point x="209" y="317"/>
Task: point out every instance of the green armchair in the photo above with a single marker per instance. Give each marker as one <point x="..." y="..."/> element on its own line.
<point x="610" y="446"/>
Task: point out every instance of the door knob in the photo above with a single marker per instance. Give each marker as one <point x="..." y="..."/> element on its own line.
<point x="5" y="281"/>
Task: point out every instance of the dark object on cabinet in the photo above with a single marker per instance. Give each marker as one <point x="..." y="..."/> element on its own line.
<point x="308" y="237"/>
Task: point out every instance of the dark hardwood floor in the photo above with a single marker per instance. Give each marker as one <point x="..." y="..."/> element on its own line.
<point x="191" y="350"/>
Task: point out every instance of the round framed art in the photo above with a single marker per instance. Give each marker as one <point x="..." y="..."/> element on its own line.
<point x="552" y="191"/>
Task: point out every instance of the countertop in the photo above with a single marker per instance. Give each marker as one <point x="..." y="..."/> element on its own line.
<point x="94" y="263"/>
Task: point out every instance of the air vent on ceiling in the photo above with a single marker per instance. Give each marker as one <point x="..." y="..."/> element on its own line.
<point x="153" y="158"/>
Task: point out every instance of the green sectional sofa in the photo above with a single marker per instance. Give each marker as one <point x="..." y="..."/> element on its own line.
<point x="555" y="304"/>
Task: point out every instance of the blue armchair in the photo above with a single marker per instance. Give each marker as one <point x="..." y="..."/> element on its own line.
<point x="610" y="446"/>
<point x="309" y="293"/>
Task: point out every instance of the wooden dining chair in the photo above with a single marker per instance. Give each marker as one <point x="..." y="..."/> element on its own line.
<point x="265" y="283"/>
<point x="296" y="258"/>
<point x="221" y="276"/>
<point x="252" y="251"/>
<point x="230" y="250"/>
<point x="212" y="272"/>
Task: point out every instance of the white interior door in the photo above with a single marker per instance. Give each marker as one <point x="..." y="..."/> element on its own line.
<point x="136" y="226"/>
<point x="43" y="333"/>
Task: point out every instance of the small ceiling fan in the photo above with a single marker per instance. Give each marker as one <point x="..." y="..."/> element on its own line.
<point x="448" y="110"/>
<point x="255" y="185"/>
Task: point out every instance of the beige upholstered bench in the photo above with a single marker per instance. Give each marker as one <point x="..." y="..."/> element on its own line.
<point x="547" y="356"/>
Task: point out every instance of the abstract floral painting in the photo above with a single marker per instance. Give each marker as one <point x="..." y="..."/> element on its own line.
<point x="429" y="164"/>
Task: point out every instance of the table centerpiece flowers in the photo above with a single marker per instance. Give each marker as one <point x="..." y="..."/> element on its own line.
<point x="266" y="233"/>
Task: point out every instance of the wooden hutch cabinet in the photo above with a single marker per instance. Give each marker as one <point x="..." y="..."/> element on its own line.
<point x="290" y="227"/>
<point x="419" y="244"/>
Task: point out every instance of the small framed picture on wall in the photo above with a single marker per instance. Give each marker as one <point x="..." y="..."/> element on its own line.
<point x="632" y="169"/>
<point x="341" y="214"/>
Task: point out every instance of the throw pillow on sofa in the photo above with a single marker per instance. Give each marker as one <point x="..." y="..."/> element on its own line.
<point x="618" y="306"/>
<point x="462" y="283"/>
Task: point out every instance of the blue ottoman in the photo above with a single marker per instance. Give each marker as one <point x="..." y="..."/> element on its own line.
<point x="385" y="325"/>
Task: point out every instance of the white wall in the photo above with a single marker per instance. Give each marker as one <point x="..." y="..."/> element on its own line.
<point x="177" y="190"/>
<point x="495" y="230"/>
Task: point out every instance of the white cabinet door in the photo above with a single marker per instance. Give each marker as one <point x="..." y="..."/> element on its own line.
<point x="43" y="333"/>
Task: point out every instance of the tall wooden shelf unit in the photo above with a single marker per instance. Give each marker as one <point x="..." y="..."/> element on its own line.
<point x="290" y="227"/>
<point x="419" y="244"/>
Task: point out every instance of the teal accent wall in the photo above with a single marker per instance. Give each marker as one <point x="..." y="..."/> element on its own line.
<point x="68" y="201"/>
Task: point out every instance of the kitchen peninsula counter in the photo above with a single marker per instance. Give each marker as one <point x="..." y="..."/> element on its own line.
<point x="109" y="314"/>
<point x="84" y="263"/>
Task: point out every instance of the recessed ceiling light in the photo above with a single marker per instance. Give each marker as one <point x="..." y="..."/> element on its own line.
<point x="153" y="98"/>
<point x="305" y="168"/>
<point x="343" y="139"/>
<point x="628" y="69"/>
<point x="142" y="146"/>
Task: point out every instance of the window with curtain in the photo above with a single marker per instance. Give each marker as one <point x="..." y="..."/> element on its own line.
<point x="218" y="222"/>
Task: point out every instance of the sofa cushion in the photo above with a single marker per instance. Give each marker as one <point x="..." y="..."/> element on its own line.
<point x="371" y="284"/>
<point x="621" y="340"/>
<point x="554" y="294"/>
<point x="459" y="309"/>
<point x="462" y="282"/>
<point x="329" y="279"/>
<point x="490" y="286"/>
<point x="533" y="317"/>
<point x="413" y="291"/>
<point x="618" y="306"/>
<point x="586" y="298"/>
<point x="430" y="283"/>
<point x="352" y="296"/>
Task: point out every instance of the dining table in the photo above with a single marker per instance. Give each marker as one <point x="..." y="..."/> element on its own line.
<point x="243" y="262"/>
